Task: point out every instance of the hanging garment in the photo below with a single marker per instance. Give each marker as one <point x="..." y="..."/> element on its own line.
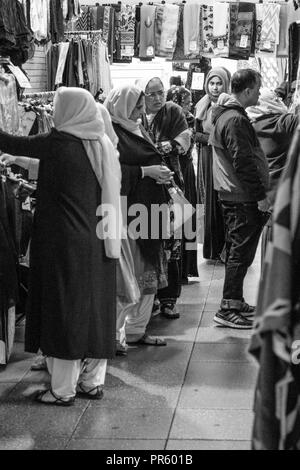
<point x="147" y="27"/>
<point x="294" y="50"/>
<point x="100" y="17"/>
<point x="207" y="27"/>
<point x="191" y="30"/>
<point x="56" y="21"/>
<point x="159" y="12"/>
<point x="127" y="29"/>
<point x="179" y="49"/>
<point x="272" y="71"/>
<point x="108" y="25"/>
<point x="8" y="272"/>
<point x="166" y="42"/>
<point x="39" y="18"/>
<point x="16" y="38"/>
<point x="63" y="48"/>
<point x="283" y="46"/>
<point x="258" y="24"/>
<point x="137" y="31"/>
<point x="84" y="22"/>
<point x="221" y="29"/>
<point x="203" y="67"/>
<point x="9" y="115"/>
<point x="117" y="33"/>
<point x="241" y="30"/>
<point x="270" y="28"/>
<point x="277" y="323"/>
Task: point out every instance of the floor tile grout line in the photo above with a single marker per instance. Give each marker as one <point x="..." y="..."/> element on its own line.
<point x="88" y="405"/>
<point x="188" y="363"/>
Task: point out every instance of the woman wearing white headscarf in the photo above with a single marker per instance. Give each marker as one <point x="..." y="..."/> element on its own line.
<point x="72" y="286"/>
<point x="274" y="127"/>
<point x="142" y="169"/>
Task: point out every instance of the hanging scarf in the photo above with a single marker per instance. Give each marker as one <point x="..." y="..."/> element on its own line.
<point x="166" y="42"/>
<point x="147" y="28"/>
<point x="207" y="26"/>
<point x="127" y="32"/>
<point x="241" y="30"/>
<point x="221" y="29"/>
<point x="191" y="30"/>
<point x="120" y="103"/>
<point x="283" y="46"/>
<point x="76" y="113"/>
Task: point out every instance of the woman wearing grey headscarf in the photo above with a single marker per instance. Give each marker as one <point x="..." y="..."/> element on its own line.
<point x="217" y="82"/>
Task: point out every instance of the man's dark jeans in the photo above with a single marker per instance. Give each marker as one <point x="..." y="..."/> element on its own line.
<point x="243" y="225"/>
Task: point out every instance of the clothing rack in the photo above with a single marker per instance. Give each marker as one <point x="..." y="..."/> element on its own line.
<point x="42" y="94"/>
<point x="91" y="31"/>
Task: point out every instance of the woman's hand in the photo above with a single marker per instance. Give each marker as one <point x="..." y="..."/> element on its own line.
<point x="6" y="159"/>
<point x="161" y="173"/>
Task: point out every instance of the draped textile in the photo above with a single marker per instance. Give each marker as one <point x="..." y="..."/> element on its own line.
<point x="241" y="30"/>
<point x="147" y="35"/>
<point x="294" y="50"/>
<point x="283" y="46"/>
<point x="272" y="71"/>
<point x="127" y="28"/>
<point x="207" y="27"/>
<point x="270" y="28"/>
<point x="220" y="29"/>
<point x="165" y="41"/>
<point x="275" y="339"/>
<point x="191" y="30"/>
<point x="179" y="49"/>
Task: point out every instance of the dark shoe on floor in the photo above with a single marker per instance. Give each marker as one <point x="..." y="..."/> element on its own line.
<point x="149" y="341"/>
<point x="169" y="311"/>
<point x="184" y="281"/>
<point x="95" y="393"/>
<point x="233" y="319"/>
<point x="47" y="397"/>
<point x="121" y="350"/>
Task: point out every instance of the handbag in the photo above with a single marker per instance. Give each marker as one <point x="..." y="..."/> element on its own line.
<point x="127" y="286"/>
<point x="183" y="211"/>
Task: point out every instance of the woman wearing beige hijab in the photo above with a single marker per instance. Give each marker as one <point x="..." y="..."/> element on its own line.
<point x="72" y="287"/>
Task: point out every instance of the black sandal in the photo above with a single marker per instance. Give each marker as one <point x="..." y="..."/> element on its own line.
<point x="148" y="340"/>
<point x="87" y="393"/>
<point x="169" y="311"/>
<point x="40" y="398"/>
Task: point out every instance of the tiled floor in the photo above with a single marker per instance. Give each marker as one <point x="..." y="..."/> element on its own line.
<point x="196" y="393"/>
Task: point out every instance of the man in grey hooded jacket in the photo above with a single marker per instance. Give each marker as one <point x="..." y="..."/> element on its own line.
<point x="241" y="178"/>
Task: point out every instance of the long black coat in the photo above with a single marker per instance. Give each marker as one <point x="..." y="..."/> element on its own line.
<point x="71" y="308"/>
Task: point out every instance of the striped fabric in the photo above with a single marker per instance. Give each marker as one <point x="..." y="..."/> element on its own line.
<point x="270" y="28"/>
<point x="275" y="341"/>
